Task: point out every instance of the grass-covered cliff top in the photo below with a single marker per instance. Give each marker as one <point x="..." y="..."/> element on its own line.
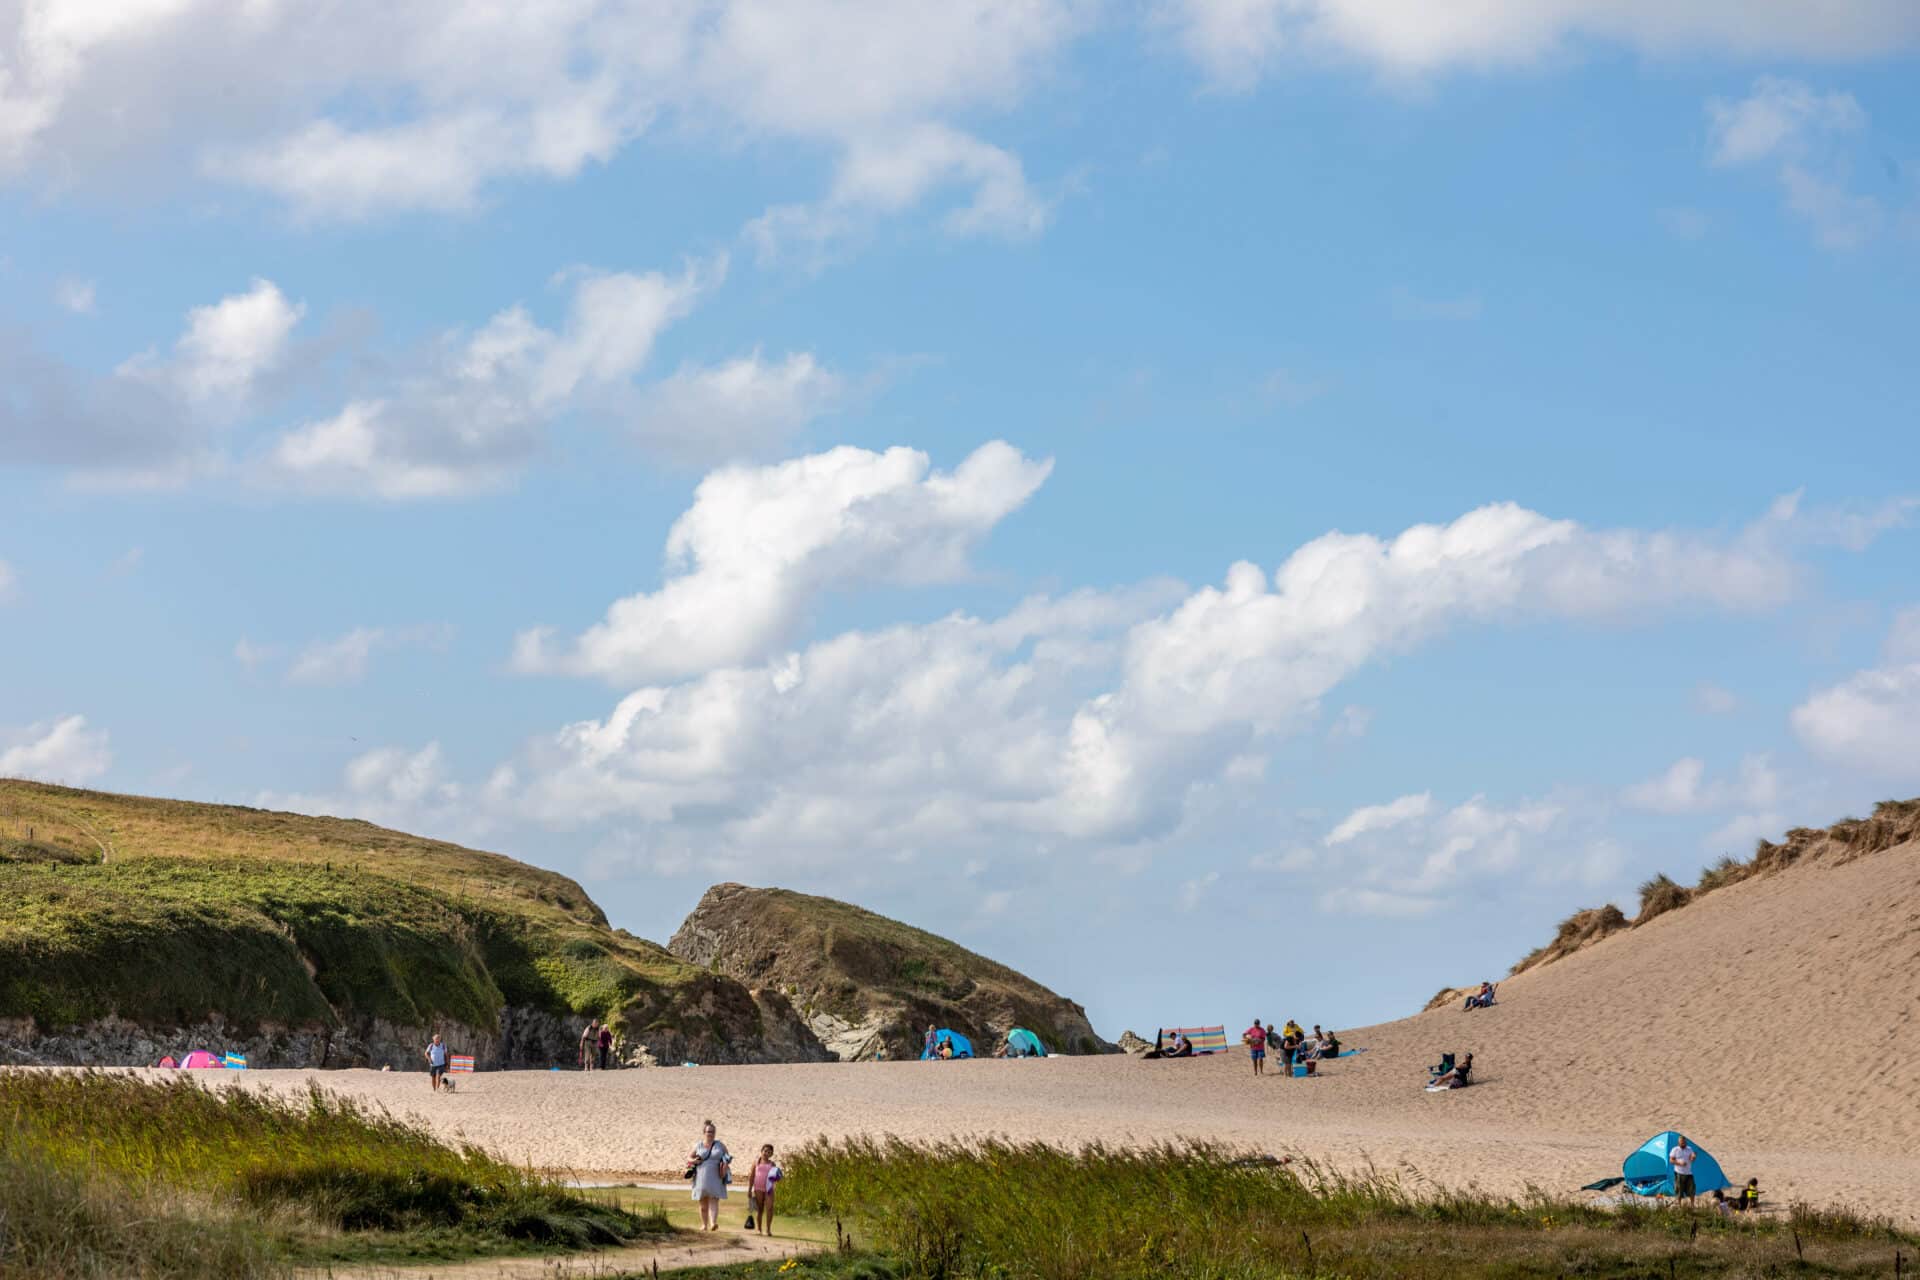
<point x="164" y="912"/>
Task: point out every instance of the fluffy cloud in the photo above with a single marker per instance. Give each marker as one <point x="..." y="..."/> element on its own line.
<point x="1237" y="41"/>
<point x="344" y="659"/>
<point x="394" y="787"/>
<point x="1380" y="817"/>
<point x="156" y="416"/>
<point x="1871" y="720"/>
<point x="63" y="750"/>
<point x="1095" y="718"/>
<point x="1794" y="130"/>
<point x="1685" y="788"/>
<point x="366" y="108"/>
<point x="1403" y="858"/>
<point x="896" y="171"/>
<point x="477" y="406"/>
<point x="760" y="544"/>
<point x="742" y="406"/>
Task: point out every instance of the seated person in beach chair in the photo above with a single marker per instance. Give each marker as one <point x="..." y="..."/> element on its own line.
<point x="1458" y="1078"/>
<point x="1481" y="999"/>
<point x="1445" y="1065"/>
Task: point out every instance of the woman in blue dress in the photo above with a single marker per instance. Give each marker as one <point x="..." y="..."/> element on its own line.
<point x="710" y="1163"/>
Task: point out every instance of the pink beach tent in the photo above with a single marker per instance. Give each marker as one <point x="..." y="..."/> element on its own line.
<point x="201" y="1058"/>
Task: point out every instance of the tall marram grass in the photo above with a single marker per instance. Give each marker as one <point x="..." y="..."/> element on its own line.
<point x="251" y="1169"/>
<point x="1197" y="1211"/>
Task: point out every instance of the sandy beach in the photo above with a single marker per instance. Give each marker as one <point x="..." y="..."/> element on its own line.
<point x="1767" y="1021"/>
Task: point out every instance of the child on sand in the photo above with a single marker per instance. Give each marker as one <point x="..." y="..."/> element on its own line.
<point x="1749" y="1196"/>
<point x="760" y="1190"/>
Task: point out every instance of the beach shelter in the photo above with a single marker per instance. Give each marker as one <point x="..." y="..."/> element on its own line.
<point x="1203" y="1039"/>
<point x="201" y="1058"/>
<point x="962" y="1047"/>
<point x="1648" y="1173"/>
<point x="1022" y="1043"/>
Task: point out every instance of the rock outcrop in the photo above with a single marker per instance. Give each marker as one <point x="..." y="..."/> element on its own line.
<point x="866" y="985"/>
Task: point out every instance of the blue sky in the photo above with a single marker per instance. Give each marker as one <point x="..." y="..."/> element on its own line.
<point x="1326" y="487"/>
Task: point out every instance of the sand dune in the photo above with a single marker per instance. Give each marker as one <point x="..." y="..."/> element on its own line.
<point x="1774" y="1021"/>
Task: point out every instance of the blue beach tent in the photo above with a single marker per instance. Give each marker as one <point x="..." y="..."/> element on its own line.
<point x="1648" y="1173"/>
<point x="962" y="1047"/>
<point x="1022" y="1043"/>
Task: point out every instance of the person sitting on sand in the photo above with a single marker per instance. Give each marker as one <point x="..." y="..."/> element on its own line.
<point x="1182" y="1047"/>
<point x="1457" y="1078"/>
<point x="1330" y="1045"/>
<point x="766" y="1174"/>
<point x="945" y="1052"/>
<point x="1721" y="1205"/>
<point x="1749" y="1196"/>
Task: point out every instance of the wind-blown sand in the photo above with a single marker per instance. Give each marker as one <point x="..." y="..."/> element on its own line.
<point x="1774" y="1022"/>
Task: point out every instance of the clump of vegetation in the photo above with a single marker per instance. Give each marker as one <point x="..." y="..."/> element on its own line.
<point x="1193" y="1210"/>
<point x="1659" y="895"/>
<point x="108" y="1174"/>
<point x="1578" y="930"/>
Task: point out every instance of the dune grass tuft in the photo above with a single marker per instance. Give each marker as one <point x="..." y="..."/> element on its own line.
<point x="1187" y="1211"/>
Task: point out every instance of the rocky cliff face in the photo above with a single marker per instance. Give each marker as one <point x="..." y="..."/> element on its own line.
<point x="864" y="984"/>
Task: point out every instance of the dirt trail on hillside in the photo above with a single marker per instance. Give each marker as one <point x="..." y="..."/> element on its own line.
<point x="1777" y="1022"/>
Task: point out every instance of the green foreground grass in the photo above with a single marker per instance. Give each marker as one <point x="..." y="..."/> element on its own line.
<point x="104" y="1174"/>
<point x="1198" y="1212"/>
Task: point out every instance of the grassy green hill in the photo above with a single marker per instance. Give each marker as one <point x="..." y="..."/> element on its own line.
<point x="863" y="980"/>
<point x="166" y="913"/>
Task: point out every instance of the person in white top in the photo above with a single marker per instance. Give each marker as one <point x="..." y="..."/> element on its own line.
<point x="1681" y="1158"/>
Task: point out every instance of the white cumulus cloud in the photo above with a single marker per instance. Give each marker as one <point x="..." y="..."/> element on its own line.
<point x="1379" y="817"/>
<point x="739" y="407"/>
<point x="63" y="750"/>
<point x="760" y="544"/>
<point x="1239" y="41"/>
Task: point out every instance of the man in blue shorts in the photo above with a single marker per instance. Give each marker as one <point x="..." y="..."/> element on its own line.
<point x="436" y="1063"/>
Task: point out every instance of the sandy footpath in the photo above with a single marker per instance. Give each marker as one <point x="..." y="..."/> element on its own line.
<point x="1777" y="1022"/>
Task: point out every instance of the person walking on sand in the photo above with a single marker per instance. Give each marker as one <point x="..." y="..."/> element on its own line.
<point x="710" y="1164"/>
<point x="766" y="1173"/>
<point x="589" y="1039"/>
<point x="1681" y="1158"/>
<point x="605" y="1043"/>
<point x="1256" y="1040"/>
<point x="436" y="1063"/>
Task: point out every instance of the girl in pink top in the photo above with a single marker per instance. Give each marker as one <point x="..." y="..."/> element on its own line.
<point x="760" y="1191"/>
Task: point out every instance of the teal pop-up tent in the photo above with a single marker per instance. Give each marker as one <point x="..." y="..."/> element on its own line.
<point x="962" y="1047"/>
<point x="1022" y="1043"/>
<point x="1649" y="1174"/>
